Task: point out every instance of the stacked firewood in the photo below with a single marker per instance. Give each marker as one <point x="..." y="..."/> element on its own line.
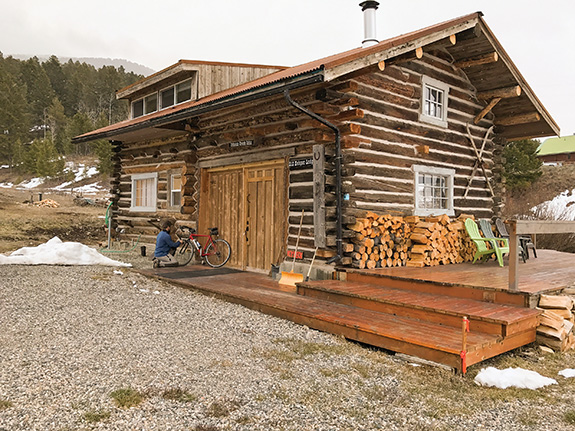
<point x="439" y="240"/>
<point x="386" y="241"/>
<point x="555" y="328"/>
<point x="380" y="241"/>
<point x="47" y="203"/>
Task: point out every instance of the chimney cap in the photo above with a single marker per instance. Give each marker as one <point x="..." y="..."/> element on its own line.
<point x="369" y="4"/>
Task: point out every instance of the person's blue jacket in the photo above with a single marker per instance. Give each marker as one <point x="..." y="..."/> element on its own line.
<point x="164" y="243"/>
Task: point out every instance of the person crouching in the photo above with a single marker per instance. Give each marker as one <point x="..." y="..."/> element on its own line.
<point x="165" y="247"/>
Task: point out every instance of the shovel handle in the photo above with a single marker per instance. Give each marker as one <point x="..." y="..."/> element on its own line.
<point x="311" y="264"/>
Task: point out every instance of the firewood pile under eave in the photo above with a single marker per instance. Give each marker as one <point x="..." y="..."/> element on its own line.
<point x="555" y="328"/>
<point x="387" y="241"/>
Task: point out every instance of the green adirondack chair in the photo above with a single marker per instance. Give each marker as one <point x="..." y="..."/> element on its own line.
<point x="483" y="251"/>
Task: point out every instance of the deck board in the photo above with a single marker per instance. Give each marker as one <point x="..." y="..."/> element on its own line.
<point x="551" y="271"/>
<point x="245" y="287"/>
<point x="416" y="311"/>
<point x="503" y="314"/>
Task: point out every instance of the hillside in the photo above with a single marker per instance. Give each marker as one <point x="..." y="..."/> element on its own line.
<point x="129" y="66"/>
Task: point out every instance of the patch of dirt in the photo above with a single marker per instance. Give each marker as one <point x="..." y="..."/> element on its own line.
<point x="24" y="224"/>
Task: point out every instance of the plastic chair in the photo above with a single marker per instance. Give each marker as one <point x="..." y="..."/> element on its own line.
<point x="487" y="230"/>
<point x="525" y="241"/>
<point x="483" y="251"/>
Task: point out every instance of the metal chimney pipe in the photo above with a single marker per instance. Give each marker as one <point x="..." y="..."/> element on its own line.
<point x="369" y="7"/>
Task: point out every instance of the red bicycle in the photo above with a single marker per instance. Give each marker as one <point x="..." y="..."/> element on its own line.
<point x="215" y="252"/>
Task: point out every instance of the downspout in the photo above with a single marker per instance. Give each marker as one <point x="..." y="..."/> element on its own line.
<point x="338" y="158"/>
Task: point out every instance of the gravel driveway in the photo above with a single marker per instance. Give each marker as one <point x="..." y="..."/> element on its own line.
<point x="71" y="337"/>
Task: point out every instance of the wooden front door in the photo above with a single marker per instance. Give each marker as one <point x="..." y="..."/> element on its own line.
<point x="249" y="205"/>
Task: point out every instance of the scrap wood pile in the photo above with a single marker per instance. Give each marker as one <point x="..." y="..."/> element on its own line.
<point x="386" y="241"/>
<point x="47" y="203"/>
<point x="555" y="328"/>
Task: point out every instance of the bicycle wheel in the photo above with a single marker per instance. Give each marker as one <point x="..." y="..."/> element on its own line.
<point x="218" y="253"/>
<point x="185" y="253"/>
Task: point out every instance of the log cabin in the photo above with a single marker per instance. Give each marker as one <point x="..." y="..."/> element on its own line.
<point x="409" y="126"/>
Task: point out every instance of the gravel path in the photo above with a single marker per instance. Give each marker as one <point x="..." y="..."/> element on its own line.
<point x="72" y="336"/>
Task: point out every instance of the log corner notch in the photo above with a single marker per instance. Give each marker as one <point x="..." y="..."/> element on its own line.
<point x="495" y="97"/>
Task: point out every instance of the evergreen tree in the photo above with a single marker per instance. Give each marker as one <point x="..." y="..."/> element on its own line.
<point x="57" y="123"/>
<point x="58" y="80"/>
<point x="103" y="149"/>
<point x="43" y="160"/>
<point x="13" y="113"/>
<point x="39" y="93"/>
<point x="80" y="124"/>
<point x="522" y="167"/>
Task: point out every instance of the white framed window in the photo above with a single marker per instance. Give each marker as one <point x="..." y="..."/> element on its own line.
<point x="163" y="99"/>
<point x="144" y="192"/>
<point x="433" y="190"/>
<point x="434" y="98"/>
<point x="175" y="183"/>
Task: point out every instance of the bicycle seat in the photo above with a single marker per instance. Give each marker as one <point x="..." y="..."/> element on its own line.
<point x="214" y="231"/>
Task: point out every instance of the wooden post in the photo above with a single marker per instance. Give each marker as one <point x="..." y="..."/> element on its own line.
<point x="463" y="354"/>
<point x="319" y="196"/>
<point x="513" y="256"/>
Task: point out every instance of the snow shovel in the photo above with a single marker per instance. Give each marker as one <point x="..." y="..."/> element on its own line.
<point x="310" y="265"/>
<point x="291" y="278"/>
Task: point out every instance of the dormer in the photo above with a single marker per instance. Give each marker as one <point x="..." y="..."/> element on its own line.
<point x="188" y="80"/>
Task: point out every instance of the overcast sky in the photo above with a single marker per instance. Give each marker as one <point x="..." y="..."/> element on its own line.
<point x="538" y="35"/>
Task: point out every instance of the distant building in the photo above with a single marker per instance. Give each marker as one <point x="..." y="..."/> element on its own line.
<point x="557" y="150"/>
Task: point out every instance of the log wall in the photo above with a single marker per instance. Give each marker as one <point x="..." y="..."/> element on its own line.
<point x="382" y="138"/>
<point x="394" y="140"/>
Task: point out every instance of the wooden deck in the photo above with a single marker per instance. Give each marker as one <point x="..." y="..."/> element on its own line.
<point x="417" y="311"/>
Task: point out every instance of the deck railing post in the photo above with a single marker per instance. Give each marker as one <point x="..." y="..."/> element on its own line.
<point x="513" y="255"/>
<point x="463" y="354"/>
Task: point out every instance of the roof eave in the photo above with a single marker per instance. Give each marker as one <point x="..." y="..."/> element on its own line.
<point x="277" y="87"/>
<point x="552" y="126"/>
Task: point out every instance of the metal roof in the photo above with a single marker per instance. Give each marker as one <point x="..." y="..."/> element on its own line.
<point x="330" y="68"/>
<point x="561" y="145"/>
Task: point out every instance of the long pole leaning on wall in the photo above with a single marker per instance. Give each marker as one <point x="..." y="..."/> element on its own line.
<point x="338" y="158"/>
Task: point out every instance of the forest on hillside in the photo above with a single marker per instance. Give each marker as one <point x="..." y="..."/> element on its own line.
<point x="44" y="104"/>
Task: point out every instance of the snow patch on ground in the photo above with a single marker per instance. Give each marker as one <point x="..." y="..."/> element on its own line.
<point x="568" y="372"/>
<point x="6" y="185"/>
<point x="56" y="252"/>
<point x="30" y="184"/>
<point x="561" y="207"/>
<point x="512" y="377"/>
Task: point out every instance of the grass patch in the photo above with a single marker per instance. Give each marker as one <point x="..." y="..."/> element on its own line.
<point x="180" y="395"/>
<point x="293" y="350"/>
<point x="5" y="404"/>
<point x="127" y="397"/>
<point x="569" y="417"/>
<point x="222" y="408"/>
<point x="96" y="416"/>
<point x="205" y="428"/>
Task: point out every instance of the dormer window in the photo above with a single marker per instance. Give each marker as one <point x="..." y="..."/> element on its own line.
<point x="167" y="97"/>
<point x="163" y="99"/>
<point x="184" y="91"/>
<point x="151" y="103"/>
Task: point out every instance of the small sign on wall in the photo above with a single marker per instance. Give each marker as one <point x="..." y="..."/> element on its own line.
<point x="247" y="143"/>
<point x="298" y="255"/>
<point x="301" y="164"/>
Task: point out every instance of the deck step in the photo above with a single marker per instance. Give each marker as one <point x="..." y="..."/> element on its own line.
<point x="429" y="340"/>
<point x="457" y="288"/>
<point x="485" y="317"/>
